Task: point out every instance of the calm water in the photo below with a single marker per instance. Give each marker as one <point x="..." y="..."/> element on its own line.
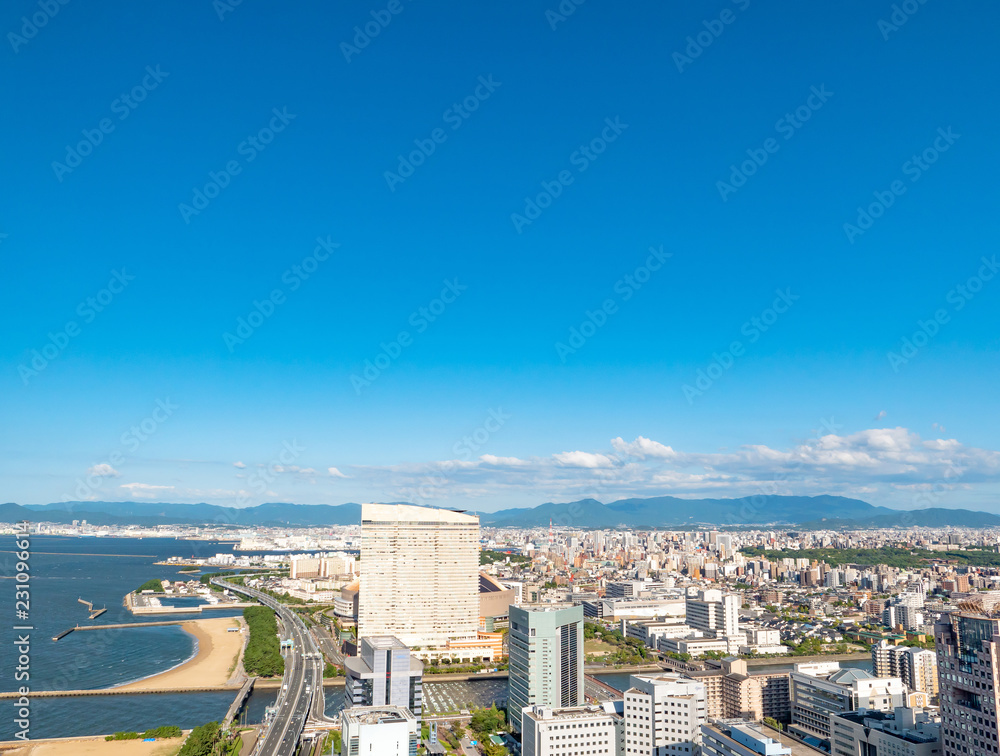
<point x="103" y="570"/>
<point x="65" y="569"/>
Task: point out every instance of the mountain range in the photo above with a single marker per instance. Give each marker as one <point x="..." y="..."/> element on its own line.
<point x="810" y="512"/>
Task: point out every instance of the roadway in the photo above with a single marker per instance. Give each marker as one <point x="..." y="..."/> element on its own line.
<point x="300" y="699"/>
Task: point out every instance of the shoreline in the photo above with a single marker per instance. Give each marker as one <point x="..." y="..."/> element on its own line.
<point x="215" y="662"/>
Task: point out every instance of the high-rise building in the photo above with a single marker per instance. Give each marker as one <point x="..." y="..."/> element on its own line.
<point x="968" y="653"/>
<point x="384" y="673"/>
<point x="419" y="575"/>
<point x="663" y="715"/>
<point x="712" y="610"/>
<point x="546" y="658"/>
<point x="382" y="730"/>
<point x="916" y="667"/>
<point x="571" y="730"/>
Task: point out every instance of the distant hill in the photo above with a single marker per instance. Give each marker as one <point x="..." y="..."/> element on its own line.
<point x="670" y="511"/>
<point x="809" y="512"/>
<point x="149" y="513"/>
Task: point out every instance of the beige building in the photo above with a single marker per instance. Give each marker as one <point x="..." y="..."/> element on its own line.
<point x="663" y="715"/>
<point x="420" y="577"/>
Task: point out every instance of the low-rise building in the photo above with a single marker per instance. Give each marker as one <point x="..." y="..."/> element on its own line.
<point x="382" y="730"/>
<point x="739" y="738"/>
<point x="547" y="731"/>
<point x="820" y="690"/>
<point x="901" y="732"/>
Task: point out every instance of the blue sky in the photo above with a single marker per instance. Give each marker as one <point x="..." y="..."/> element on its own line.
<point x="616" y="260"/>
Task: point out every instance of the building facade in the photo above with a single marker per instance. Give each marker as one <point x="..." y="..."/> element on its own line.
<point x="916" y="667"/>
<point x="546" y="731"/>
<point x="546" y="658"/>
<point x="968" y="652"/>
<point x="714" y="611"/>
<point x="384" y="673"/>
<point x="818" y="691"/>
<point x="419" y="575"/>
<point x="663" y="715"/>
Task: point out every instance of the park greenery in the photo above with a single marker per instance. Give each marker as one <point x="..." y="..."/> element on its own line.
<point x="623" y="651"/>
<point x="156" y="586"/>
<point x="891" y="556"/>
<point x="262" y="657"/>
<point x="201" y="741"/>
<point x="169" y="731"/>
<point x="486" y="556"/>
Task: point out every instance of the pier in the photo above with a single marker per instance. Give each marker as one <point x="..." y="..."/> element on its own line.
<point x="95" y="613"/>
<point x="88" y="604"/>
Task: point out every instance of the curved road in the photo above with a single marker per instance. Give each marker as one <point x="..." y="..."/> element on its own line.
<point x="300" y="699"/>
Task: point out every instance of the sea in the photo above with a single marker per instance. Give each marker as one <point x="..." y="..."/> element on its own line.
<point x="102" y="570"/>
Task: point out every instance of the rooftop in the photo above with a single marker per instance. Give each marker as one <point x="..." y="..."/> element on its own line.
<point x="373" y="715"/>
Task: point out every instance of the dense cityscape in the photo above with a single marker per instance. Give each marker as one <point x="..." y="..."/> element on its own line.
<point x="723" y="642"/>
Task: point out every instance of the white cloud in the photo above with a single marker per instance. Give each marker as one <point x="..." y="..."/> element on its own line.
<point x="335" y="473"/>
<point x="643" y="448"/>
<point x="144" y="490"/>
<point x="104" y="470"/>
<point x="239" y="465"/>
<point x="583" y="459"/>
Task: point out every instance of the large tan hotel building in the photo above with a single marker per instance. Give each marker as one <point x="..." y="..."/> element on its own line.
<point x="420" y="581"/>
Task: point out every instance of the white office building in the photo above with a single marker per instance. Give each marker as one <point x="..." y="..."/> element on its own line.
<point x="713" y="611"/>
<point x="419" y="575"/>
<point x="596" y="730"/>
<point x="663" y="715"/>
<point x="379" y="731"/>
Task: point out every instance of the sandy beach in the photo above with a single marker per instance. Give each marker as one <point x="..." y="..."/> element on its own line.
<point x="96" y="745"/>
<point x="212" y="666"/>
